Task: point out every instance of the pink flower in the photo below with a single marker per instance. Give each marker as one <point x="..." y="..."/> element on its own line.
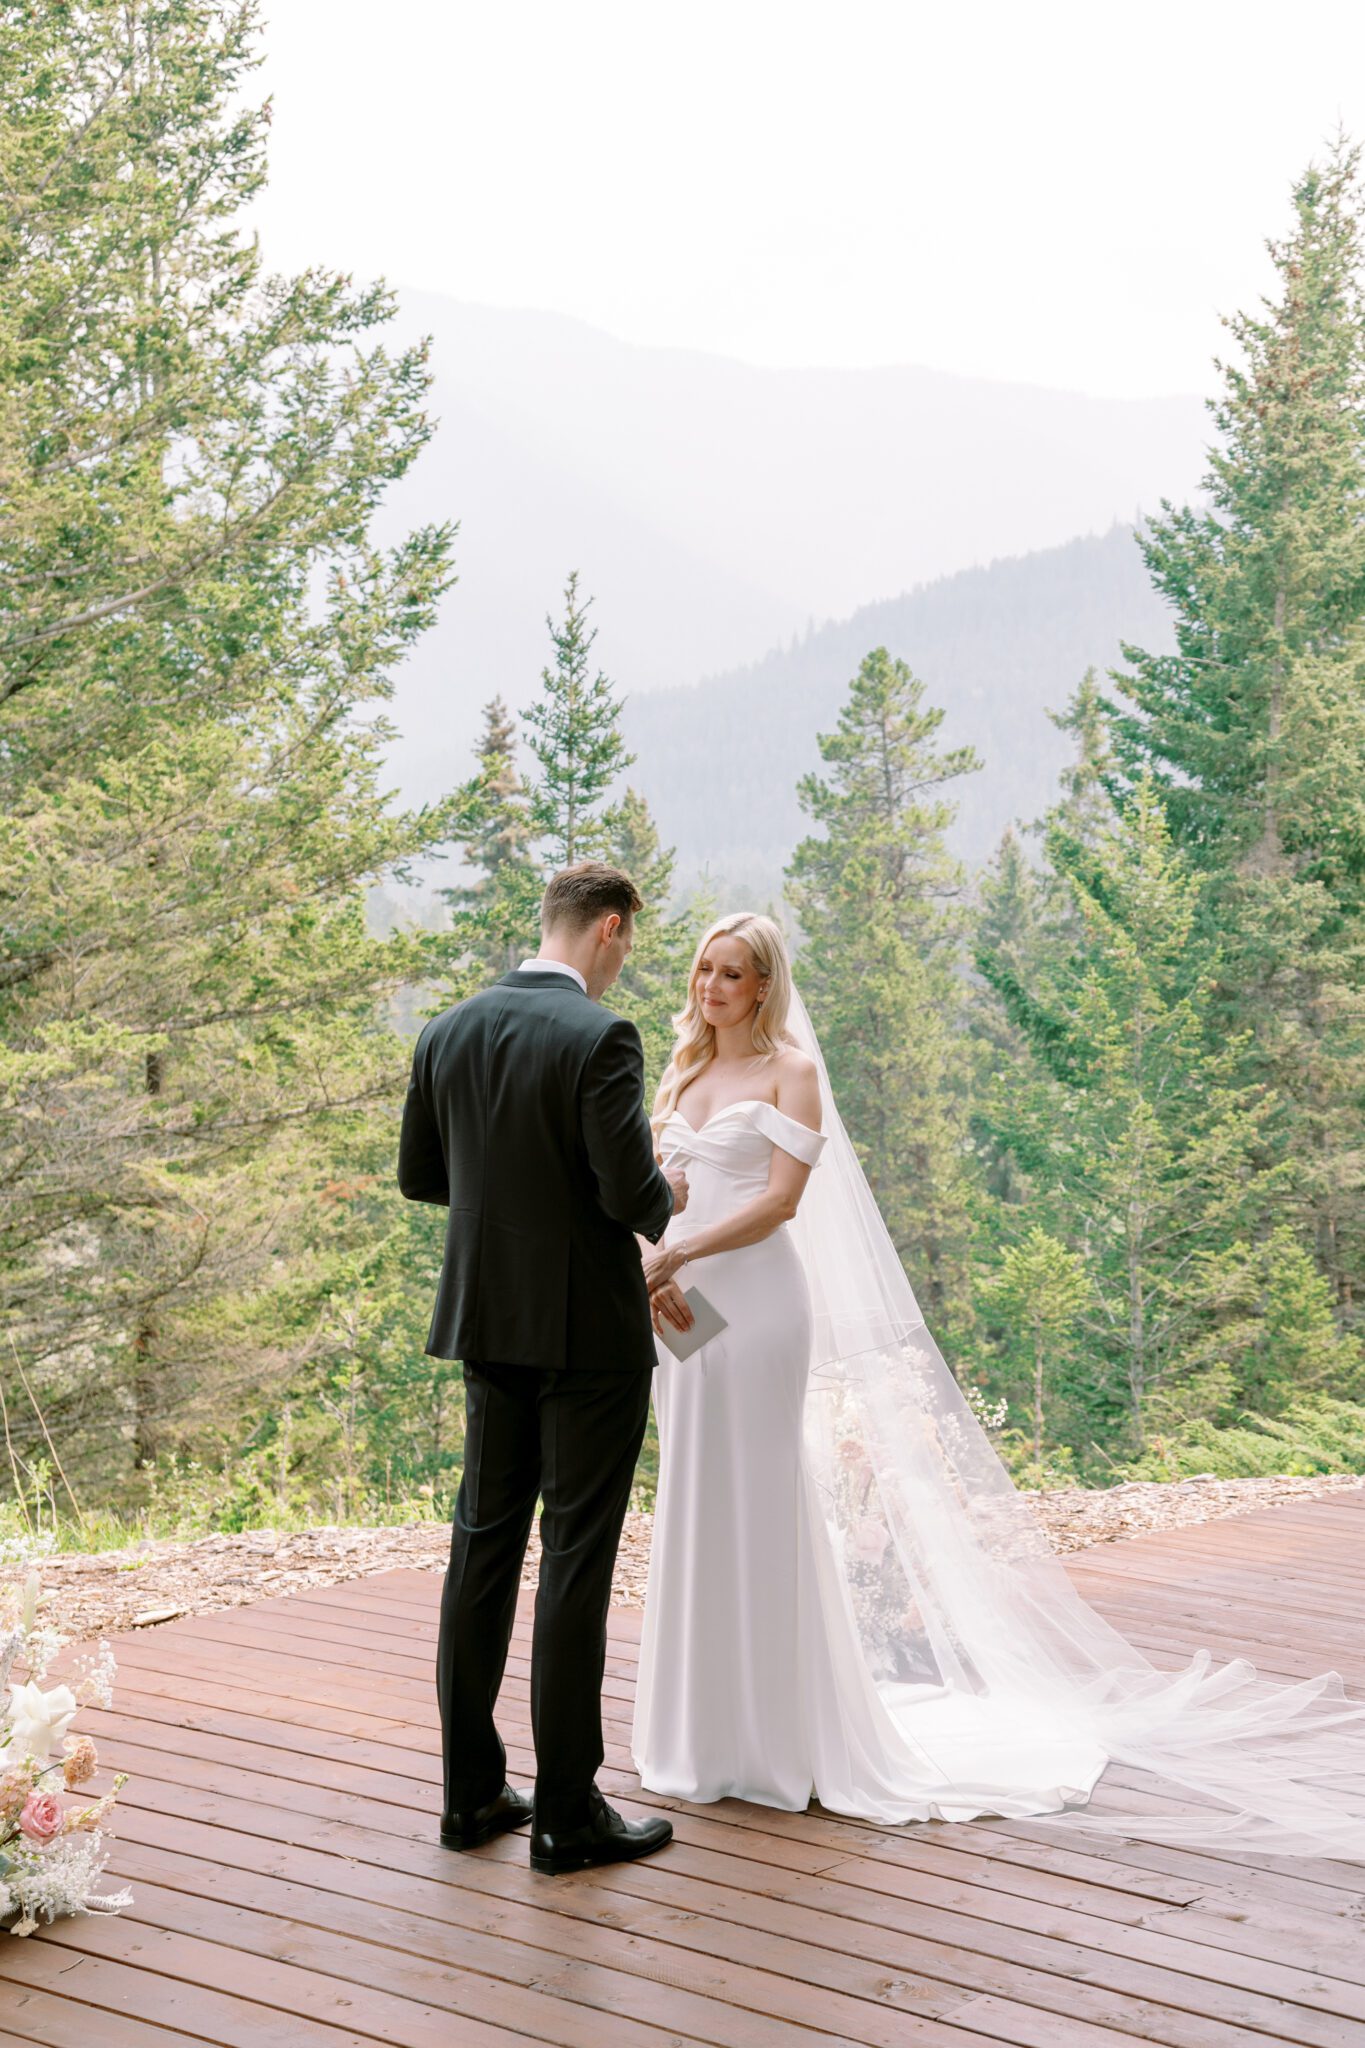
<point x="41" y="1819"/>
<point x="870" y="1538"/>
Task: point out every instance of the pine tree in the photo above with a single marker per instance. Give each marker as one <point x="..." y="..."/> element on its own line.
<point x="1010" y="932"/>
<point x="1134" y="1126"/>
<point x="574" y="732"/>
<point x="496" y="912"/>
<point x="880" y="902"/>
<point x="1028" y="921"/>
<point x="1086" y="806"/>
<point x="1254" y="729"/>
<point x="194" y="626"/>
<point x="514" y="836"/>
<point x="653" y="984"/>
<point x="1009" y="929"/>
<point x="1028" y="917"/>
<point x="1039" y="1290"/>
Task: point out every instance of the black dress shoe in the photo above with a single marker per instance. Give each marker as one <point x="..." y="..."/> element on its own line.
<point x="480" y="1823"/>
<point x="606" y="1838"/>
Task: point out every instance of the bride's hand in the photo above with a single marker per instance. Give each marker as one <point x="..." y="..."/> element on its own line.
<point x="669" y="1304"/>
<point x="661" y="1265"/>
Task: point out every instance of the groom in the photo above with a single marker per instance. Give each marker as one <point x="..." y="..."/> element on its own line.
<point x="525" y="1117"/>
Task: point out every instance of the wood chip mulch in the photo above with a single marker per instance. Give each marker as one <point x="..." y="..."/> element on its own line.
<point x="90" y="1594"/>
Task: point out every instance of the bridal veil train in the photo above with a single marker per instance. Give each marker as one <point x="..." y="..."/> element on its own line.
<point x="985" y="1683"/>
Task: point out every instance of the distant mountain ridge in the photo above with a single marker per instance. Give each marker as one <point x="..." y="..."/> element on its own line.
<point x="996" y="647"/>
<point x="714" y="508"/>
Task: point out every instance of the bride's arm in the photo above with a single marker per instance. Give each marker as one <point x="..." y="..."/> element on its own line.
<point x="798" y="1098"/>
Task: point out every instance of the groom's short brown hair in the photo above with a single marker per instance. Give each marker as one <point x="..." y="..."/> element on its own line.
<point x="576" y="897"/>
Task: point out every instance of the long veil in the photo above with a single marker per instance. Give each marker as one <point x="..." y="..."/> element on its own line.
<point x="957" y="1599"/>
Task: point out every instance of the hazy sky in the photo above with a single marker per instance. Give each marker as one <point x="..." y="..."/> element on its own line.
<point x="1060" y="194"/>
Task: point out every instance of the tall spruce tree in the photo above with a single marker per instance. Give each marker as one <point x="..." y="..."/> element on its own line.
<point x="1133" y="1123"/>
<point x="1087" y="782"/>
<point x="515" y="832"/>
<point x="194" y="624"/>
<point x="1254" y="728"/>
<point x="1010" y="930"/>
<point x="881" y="906"/>
<point x="1038" y="1291"/>
<point x="496" y="909"/>
<point x="653" y="983"/>
<point x="574" y="732"/>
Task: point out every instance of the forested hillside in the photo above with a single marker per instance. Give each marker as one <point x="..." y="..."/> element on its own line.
<point x="998" y="648"/>
<point x="715" y="508"/>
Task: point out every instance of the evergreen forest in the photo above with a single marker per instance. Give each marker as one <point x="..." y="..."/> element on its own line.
<point x="1107" y="1086"/>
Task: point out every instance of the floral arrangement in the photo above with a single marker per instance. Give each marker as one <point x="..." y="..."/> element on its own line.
<point x="52" y="1851"/>
<point x="884" y="1607"/>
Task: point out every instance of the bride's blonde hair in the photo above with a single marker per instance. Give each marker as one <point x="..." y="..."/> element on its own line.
<point x="695" y="1045"/>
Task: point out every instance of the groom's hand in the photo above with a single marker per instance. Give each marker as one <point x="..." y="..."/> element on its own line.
<point x="677" y="1180"/>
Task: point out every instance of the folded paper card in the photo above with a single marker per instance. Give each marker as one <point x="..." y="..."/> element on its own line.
<point x="708" y="1323"/>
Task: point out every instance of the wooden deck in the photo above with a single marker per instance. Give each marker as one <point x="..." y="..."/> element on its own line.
<point x="279" y="1835"/>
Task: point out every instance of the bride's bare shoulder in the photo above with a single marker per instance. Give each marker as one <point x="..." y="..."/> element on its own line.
<point x="793" y="1064"/>
<point x="798" y="1086"/>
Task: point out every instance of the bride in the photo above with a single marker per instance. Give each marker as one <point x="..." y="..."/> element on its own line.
<point x="847" y="1597"/>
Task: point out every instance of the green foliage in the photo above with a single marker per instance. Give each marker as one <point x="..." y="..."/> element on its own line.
<point x="1122" y="1159"/>
<point x="194" y="631"/>
<point x="1254" y="729"/>
<point x="880" y="903"/>
<point x="1140" y="1147"/>
<point x="1038" y="1292"/>
<point x="514" y="834"/>
<point x="496" y="911"/>
<point x="653" y="983"/>
<point x="574" y="732"/>
<point x="1316" y="1434"/>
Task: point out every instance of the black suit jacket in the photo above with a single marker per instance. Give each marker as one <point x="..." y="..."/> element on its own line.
<point x="525" y="1116"/>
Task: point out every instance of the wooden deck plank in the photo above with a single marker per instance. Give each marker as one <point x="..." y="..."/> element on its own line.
<point x="1041" y="1965"/>
<point x="823" y="1941"/>
<point x="727" y="2001"/>
<point x="56" y="2022"/>
<point x="1305" y="1873"/>
<point x="134" y="1989"/>
<point x="279" y="1833"/>
<point x="1327" y="1941"/>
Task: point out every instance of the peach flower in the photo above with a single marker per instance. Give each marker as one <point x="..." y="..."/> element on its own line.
<point x="15" y="1787"/>
<point x="80" y="1764"/>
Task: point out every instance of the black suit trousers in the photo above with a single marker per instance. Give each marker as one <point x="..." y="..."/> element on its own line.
<point x="570" y="1437"/>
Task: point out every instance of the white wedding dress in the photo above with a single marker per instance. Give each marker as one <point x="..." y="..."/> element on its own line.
<point x="849" y="1599"/>
<point x="752" y="1682"/>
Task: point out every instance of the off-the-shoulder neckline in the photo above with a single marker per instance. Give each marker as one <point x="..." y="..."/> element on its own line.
<point x="744" y="1102"/>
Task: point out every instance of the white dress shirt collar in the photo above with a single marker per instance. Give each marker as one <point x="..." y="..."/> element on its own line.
<point x="553" y="967"/>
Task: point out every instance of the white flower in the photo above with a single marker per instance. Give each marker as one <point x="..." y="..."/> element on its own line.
<point x="95" y="1678"/>
<point x="20" y="1550"/>
<point x="10" y="1646"/>
<point x="43" y="1884"/>
<point x="39" y="1720"/>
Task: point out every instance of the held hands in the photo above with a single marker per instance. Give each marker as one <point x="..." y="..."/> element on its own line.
<point x="661" y="1265"/>
<point x="667" y="1302"/>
